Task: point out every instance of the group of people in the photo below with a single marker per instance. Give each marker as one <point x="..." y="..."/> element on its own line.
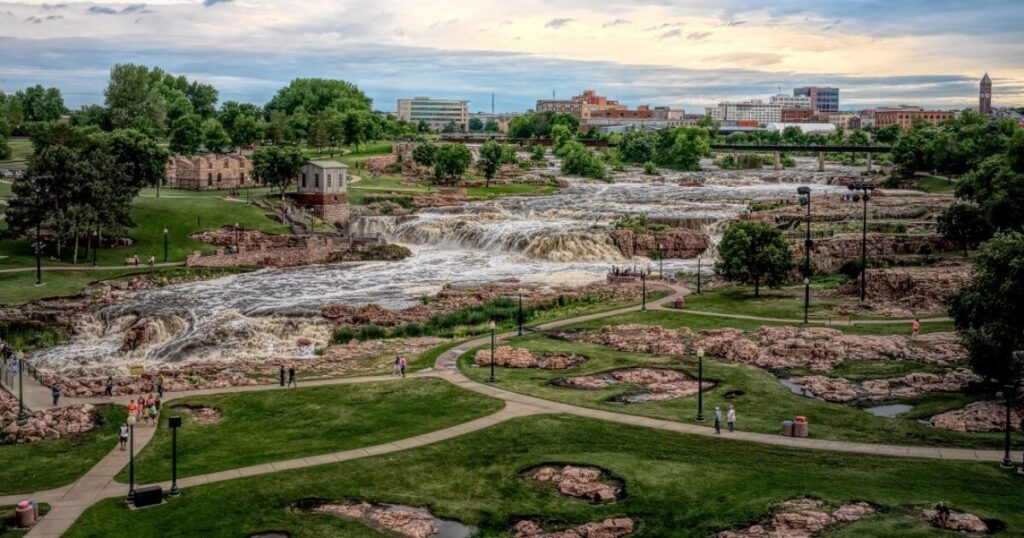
<point x="400" y="365"/>
<point x="145" y="409"/>
<point x="730" y="419"/>
<point x="291" y="377"/>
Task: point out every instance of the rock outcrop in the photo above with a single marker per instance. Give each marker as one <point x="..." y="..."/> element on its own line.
<point x="609" y="528"/>
<point x="657" y="384"/>
<point x="517" y="357"/>
<point x="44" y="424"/>
<point x="830" y="254"/>
<point x="906" y="291"/>
<point x="677" y="243"/>
<point x="955" y="521"/>
<point x="636" y="338"/>
<point x="401" y="521"/>
<point x="821" y="349"/>
<point x="589" y="483"/>
<point x="803" y="518"/>
<point x="841" y="390"/>
<point x="987" y="416"/>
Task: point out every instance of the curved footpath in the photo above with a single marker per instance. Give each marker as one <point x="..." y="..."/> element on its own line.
<point x="69" y="502"/>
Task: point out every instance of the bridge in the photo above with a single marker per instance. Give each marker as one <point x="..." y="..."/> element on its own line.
<point x="822" y="149"/>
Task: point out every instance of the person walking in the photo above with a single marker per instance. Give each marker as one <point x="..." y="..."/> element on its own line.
<point x="110" y="386"/>
<point x="123" y="435"/>
<point x="915" y="328"/>
<point x="291" y="378"/>
<point x="160" y="388"/>
<point x="282" y="375"/>
<point x="139" y="406"/>
<point x="398" y="366"/>
<point x="133" y="408"/>
<point x="55" y="392"/>
<point x="401" y="365"/>
<point x="718" y="420"/>
<point x="730" y="418"/>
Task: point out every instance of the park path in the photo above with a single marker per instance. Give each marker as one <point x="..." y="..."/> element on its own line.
<point x="83" y="268"/>
<point x="69" y="502"/>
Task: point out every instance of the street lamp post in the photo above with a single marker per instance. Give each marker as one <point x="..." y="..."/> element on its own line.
<point x="1008" y="391"/>
<point x="131" y="459"/>
<point x="165" y="245"/>
<point x="96" y="249"/>
<point x="22" y="416"/>
<point x="864" y="189"/>
<point x="698" y="275"/>
<point x="520" y="314"/>
<point x="805" y="200"/>
<point x="236" y="236"/>
<point x="174" y="423"/>
<point x="661" y="261"/>
<point x="491" y="379"/>
<point x="700" y="384"/>
<point x="643" y="291"/>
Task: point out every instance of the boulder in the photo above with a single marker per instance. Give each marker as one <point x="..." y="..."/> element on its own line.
<point x="803" y="518"/>
<point x="955" y="521"/>
<point x="579" y="482"/>
<point x="985" y="416"/>
<point x="609" y="528"/>
<point x="841" y="390"/>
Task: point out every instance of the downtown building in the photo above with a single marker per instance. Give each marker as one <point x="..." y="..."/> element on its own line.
<point x="436" y="113"/>
<point x="581" y="106"/>
<point x="822" y="98"/>
<point x="905" y="116"/>
<point x="753" y="111"/>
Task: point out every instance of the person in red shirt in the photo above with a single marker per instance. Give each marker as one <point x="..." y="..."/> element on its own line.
<point x="916" y="327"/>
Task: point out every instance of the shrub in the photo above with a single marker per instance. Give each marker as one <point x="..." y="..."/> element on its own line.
<point x="650" y="169"/>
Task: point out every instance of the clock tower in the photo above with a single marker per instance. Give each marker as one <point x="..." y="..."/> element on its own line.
<point x="985" y="96"/>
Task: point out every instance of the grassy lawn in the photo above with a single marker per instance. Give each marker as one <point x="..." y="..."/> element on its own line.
<point x="7" y="521"/>
<point x="306" y="422"/>
<point x="676" y="485"/>
<point x="50" y="464"/>
<point x="5" y="190"/>
<point x="21" y="148"/>
<point x="761" y="408"/>
<point x="933" y="184"/>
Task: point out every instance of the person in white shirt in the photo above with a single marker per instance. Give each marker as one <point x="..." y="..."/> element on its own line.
<point x="730" y="418"/>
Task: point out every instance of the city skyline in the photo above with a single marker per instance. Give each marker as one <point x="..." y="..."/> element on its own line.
<point x="689" y="55"/>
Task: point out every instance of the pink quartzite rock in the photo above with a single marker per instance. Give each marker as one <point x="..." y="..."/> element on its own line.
<point x="43" y="424"/>
<point x="956" y="521"/>
<point x="580" y="482"/>
<point x="401" y="521"/>
<point x="979" y="417"/>
<point x="803" y="518"/>
<point x="841" y="390"/>
<point x="659" y="383"/>
<point x="609" y="528"/>
<point x="637" y="338"/>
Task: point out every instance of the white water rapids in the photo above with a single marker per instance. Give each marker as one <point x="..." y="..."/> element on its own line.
<point x="548" y="239"/>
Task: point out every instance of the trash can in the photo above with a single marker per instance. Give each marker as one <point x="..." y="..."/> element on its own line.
<point x="787" y="428"/>
<point x="24" y="515"/>
<point x="679" y="303"/>
<point x="800" y="427"/>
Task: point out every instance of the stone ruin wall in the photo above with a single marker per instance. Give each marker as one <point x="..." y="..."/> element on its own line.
<point x="204" y="172"/>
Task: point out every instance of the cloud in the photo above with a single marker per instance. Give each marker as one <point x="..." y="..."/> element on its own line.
<point x="448" y="22"/>
<point x="136" y="8"/>
<point x="750" y="59"/>
<point x="52" y="7"/>
<point x="616" y="22"/>
<point x="558" y="22"/>
<point x="34" y="20"/>
<point x="697" y="36"/>
<point x="671" y="33"/>
<point x="102" y="10"/>
<point x="735" y="23"/>
<point x="662" y="26"/>
<point x="211" y="3"/>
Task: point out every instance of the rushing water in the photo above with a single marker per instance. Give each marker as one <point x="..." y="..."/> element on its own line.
<point x="547" y="239"/>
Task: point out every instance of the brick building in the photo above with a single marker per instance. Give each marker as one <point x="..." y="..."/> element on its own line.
<point x="904" y="116"/>
<point x="582" y="106"/>
<point x="211" y="171"/>
<point x="322" y="186"/>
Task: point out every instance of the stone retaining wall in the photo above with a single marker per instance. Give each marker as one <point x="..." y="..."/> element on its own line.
<point x="312" y="252"/>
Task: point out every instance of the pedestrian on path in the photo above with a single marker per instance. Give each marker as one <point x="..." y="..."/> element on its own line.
<point x="133" y="408"/>
<point x="730" y="418"/>
<point x="160" y="388"/>
<point x="401" y="365"/>
<point x="110" y="386"/>
<point x="282" y="375"/>
<point x="915" y="328"/>
<point x="123" y="434"/>
<point x="139" y="406"/>
<point x="55" y="392"/>
<point x="291" y="378"/>
<point x="398" y="366"/>
<point x="718" y="420"/>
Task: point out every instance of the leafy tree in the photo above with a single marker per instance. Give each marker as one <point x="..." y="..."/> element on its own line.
<point x="998" y="191"/>
<point x="10" y="110"/>
<point x="682" y="147"/>
<point x="754" y="252"/>
<point x="215" y="137"/>
<point x="638" y="146"/>
<point x="491" y="126"/>
<point x="41" y="104"/>
<point x="135" y="100"/>
<point x="490" y="159"/>
<point x="278" y="128"/>
<point x="887" y="134"/>
<point x="987" y="313"/>
<point x="277" y="166"/>
<point x="299" y="123"/>
<point x="328" y="129"/>
<point x="422" y="127"/>
<point x="538" y="153"/>
<point x="5" y="148"/>
<point x="315" y="95"/>
<point x="186" y="134"/>
<point x="476" y="124"/>
<point x="203" y="98"/>
<point x="964" y="224"/>
<point x="145" y="160"/>
<point x="451" y="161"/>
<point x="560" y="138"/>
<point x="582" y="162"/>
<point x="360" y="127"/>
<point x="241" y="121"/>
<point x="566" y="119"/>
<point x="452" y="127"/>
<point x="91" y="115"/>
<point x="424" y="153"/>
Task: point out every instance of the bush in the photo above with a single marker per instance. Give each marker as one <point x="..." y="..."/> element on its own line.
<point x="582" y="162"/>
<point x="371" y="332"/>
<point x="342" y="336"/>
<point x="650" y="169"/>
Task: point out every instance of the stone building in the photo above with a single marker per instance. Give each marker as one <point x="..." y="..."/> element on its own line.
<point x="904" y="116"/>
<point x="985" y="96"/>
<point x="322" y="186"/>
<point x="211" y="171"/>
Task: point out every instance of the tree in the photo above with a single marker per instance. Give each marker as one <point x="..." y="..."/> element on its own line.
<point x="563" y="118"/>
<point x="424" y="153"/>
<point x="964" y="224"/>
<point x="145" y="160"/>
<point x="581" y="161"/>
<point x="328" y="129"/>
<point x="186" y="134"/>
<point x="278" y="129"/>
<point x="135" y="100"/>
<point x="998" y="191"/>
<point x="41" y="104"/>
<point x="203" y="98"/>
<point x="315" y="95"/>
<point x="491" y="126"/>
<point x="987" y="314"/>
<point x="682" y="147"/>
<point x="490" y="159"/>
<point x="638" y="146"/>
<point x="359" y="127"/>
<point x="452" y="127"/>
<point x="241" y="121"/>
<point x="277" y="166"/>
<point x="10" y="110"/>
<point x="215" y="137"/>
<point x="560" y="138"/>
<point x="476" y="124"/>
<point x="754" y="252"/>
<point x="451" y="161"/>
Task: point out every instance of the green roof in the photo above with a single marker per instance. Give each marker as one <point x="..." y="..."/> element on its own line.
<point x="327" y="164"/>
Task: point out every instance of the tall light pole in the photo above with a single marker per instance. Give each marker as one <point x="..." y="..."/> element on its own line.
<point x="491" y="379"/>
<point x="1008" y="391"/>
<point x="805" y="200"/>
<point x="864" y="189"/>
<point x="520" y="314"/>
<point x="174" y="423"/>
<point x="22" y="416"/>
<point x="661" y="261"/>
<point x="165" y="245"/>
<point x="700" y="384"/>
<point x="698" y="275"/>
<point x="643" y="291"/>
<point x="131" y="459"/>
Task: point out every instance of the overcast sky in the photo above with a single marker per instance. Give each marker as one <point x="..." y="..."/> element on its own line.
<point x="687" y="54"/>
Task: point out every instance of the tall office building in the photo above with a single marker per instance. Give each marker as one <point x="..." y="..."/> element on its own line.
<point x="985" y="96"/>
<point x="823" y="99"/>
<point x="437" y="113"/>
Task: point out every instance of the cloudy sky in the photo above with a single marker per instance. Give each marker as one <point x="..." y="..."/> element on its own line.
<point x="663" y="52"/>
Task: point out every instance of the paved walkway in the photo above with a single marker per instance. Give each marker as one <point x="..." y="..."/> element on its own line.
<point x="69" y="502"/>
<point x="85" y="267"/>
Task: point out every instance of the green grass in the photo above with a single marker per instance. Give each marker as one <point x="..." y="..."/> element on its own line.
<point x="21" y="148"/>
<point x="306" y="422"/>
<point x="50" y="464"/>
<point x="762" y="407"/>
<point x="677" y="485"/>
<point x="5" y="190"/>
<point x="935" y="185"/>
<point x="7" y="520"/>
<point x="27" y="336"/>
<point x="510" y="189"/>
